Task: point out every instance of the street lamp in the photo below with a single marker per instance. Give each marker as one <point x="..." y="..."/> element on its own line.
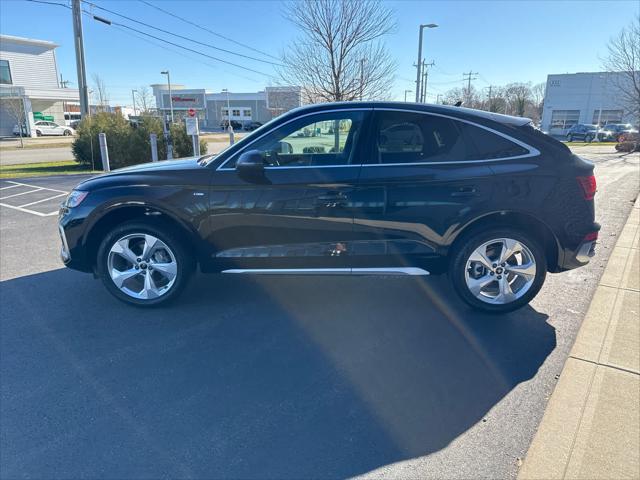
<point x="405" y="94"/>
<point x="229" y="127"/>
<point x="166" y="72"/>
<point x="419" y="65"/>
<point x="133" y="97"/>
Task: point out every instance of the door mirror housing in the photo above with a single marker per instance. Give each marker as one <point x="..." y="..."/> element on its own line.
<point x="250" y="165"/>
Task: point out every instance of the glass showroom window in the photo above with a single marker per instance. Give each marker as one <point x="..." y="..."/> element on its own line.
<point x="607" y="116"/>
<point x="564" y="119"/>
<point x="5" y="72"/>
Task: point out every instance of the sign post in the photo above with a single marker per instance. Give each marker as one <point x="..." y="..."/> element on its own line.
<point x="191" y="124"/>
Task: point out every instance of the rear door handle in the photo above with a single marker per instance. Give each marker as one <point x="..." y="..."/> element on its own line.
<point x="466" y="191"/>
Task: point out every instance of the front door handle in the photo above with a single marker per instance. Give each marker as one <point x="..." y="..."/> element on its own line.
<point x="466" y="191"/>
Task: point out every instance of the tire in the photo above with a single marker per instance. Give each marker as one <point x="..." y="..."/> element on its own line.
<point x="67" y="133"/>
<point x="38" y="133"/>
<point x="167" y="251"/>
<point x="588" y="138"/>
<point x="569" y="138"/>
<point x="464" y="272"/>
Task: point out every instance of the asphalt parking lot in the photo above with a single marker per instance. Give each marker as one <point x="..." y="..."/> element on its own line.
<point x="274" y="377"/>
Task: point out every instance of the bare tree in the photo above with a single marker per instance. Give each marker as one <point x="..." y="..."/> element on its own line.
<point x="145" y="99"/>
<point x="624" y="58"/>
<point x="538" y="92"/>
<point x="340" y="55"/>
<point x="518" y="95"/>
<point x="100" y="92"/>
<point x="15" y="108"/>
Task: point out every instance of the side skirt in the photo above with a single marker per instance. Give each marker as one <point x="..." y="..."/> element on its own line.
<point x="331" y="271"/>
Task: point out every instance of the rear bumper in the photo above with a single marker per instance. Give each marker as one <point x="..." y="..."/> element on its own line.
<point x="580" y="256"/>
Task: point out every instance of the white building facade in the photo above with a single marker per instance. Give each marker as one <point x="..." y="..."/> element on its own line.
<point x="212" y="109"/>
<point x="29" y="80"/>
<point x="587" y="98"/>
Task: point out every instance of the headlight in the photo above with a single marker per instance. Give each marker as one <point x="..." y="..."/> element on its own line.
<point x="75" y="198"/>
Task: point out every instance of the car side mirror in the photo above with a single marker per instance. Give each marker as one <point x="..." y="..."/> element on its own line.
<point x="250" y="166"/>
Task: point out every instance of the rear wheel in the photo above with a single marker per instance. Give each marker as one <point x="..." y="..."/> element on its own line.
<point x="38" y="133"/>
<point x="498" y="270"/>
<point x="143" y="265"/>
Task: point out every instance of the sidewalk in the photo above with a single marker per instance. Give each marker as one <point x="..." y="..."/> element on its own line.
<point x="591" y="427"/>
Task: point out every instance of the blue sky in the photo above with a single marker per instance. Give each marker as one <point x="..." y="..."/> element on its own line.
<point x="505" y="41"/>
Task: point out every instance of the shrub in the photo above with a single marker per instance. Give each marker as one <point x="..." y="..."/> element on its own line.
<point x="128" y="145"/>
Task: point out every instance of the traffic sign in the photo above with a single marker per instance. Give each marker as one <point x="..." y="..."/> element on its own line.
<point x="191" y="125"/>
<point x="192" y="112"/>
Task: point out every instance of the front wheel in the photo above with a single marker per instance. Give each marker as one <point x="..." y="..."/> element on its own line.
<point x="67" y="133"/>
<point x="143" y="265"/>
<point x="498" y="270"/>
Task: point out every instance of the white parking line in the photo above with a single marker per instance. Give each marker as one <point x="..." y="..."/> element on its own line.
<point x="21" y="193"/>
<point x="34" y="188"/>
<point x="43" y="200"/>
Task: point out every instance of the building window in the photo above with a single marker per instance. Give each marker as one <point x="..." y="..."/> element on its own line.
<point x="607" y="116"/>
<point x="247" y="113"/>
<point x="564" y="119"/>
<point x="5" y="72"/>
<point x="235" y="113"/>
<point x="225" y="112"/>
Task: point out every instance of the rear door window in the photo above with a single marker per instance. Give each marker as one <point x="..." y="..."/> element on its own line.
<point x="408" y="137"/>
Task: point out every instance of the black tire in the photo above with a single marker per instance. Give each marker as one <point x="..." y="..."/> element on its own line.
<point x="67" y="133"/>
<point x="473" y="240"/>
<point x="569" y="138"/>
<point x="184" y="270"/>
<point x="38" y="133"/>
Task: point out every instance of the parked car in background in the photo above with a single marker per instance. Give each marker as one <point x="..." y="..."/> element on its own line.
<point x="252" y="126"/>
<point x="583" y="132"/>
<point x="628" y="142"/>
<point x="52" y="128"/>
<point x="234" y="124"/>
<point x="397" y="188"/>
<point x="613" y="132"/>
<point x="16" y="130"/>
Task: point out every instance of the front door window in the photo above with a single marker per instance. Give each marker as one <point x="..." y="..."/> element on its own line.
<point x="327" y="139"/>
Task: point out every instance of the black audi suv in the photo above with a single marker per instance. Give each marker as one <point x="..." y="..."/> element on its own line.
<point x="362" y="188"/>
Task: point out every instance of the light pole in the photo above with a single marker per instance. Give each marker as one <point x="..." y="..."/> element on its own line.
<point x="229" y="127"/>
<point x="166" y="72"/>
<point x="405" y="94"/>
<point x="419" y="64"/>
<point x="133" y="97"/>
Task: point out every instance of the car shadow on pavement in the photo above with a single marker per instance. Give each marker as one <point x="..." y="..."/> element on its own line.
<point x="263" y="377"/>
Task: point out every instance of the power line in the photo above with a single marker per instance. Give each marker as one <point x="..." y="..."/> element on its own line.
<point x="173" y="15"/>
<point x="108" y="22"/>
<point x="468" y="79"/>
<point x="181" y="36"/>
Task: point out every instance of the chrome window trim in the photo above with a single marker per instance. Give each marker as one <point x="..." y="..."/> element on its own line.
<point x="533" y="152"/>
<point x="331" y="271"/>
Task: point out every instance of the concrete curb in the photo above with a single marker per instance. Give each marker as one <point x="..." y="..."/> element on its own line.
<point x="591" y="426"/>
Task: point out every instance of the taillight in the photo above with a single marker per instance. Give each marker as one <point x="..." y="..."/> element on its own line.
<point x="588" y="185"/>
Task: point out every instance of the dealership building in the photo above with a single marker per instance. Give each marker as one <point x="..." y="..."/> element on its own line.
<point x="588" y="98"/>
<point x="214" y="108"/>
<point x="30" y="86"/>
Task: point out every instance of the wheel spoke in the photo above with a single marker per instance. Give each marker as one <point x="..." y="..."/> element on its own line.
<point x="506" y="295"/>
<point x="509" y="248"/>
<point x="168" y="270"/>
<point x="121" y="247"/>
<point x="527" y="270"/>
<point x="149" y="290"/>
<point x="119" y="277"/>
<point x="480" y="256"/>
<point x="150" y="243"/>
<point x="477" y="284"/>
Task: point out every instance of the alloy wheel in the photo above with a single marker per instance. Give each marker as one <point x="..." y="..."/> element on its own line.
<point x="500" y="271"/>
<point x="142" y="266"/>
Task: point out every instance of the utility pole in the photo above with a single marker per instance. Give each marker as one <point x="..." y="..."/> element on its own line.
<point x="425" y="76"/>
<point x="470" y="76"/>
<point x="166" y="72"/>
<point x="362" y="60"/>
<point x="490" y="106"/>
<point x="418" y="65"/>
<point x="80" y="66"/>
<point x="133" y="97"/>
<point x="405" y="94"/>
